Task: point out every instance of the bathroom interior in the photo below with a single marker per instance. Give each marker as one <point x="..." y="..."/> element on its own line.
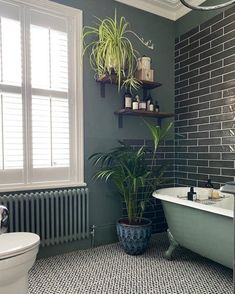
<point x="117" y="179"/>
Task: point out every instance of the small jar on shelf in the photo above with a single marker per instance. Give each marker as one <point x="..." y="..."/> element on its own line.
<point x="135" y="103"/>
<point x="142" y="105"/>
<point x="127" y="100"/>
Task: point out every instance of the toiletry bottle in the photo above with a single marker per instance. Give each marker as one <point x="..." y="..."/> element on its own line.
<point x="148" y="101"/>
<point x="137" y="97"/>
<point x="135" y="103"/>
<point x="210" y="186"/>
<point x="157" y="108"/>
<point x="151" y="105"/>
<point x="192" y="195"/>
<point x="142" y="105"/>
<point x="127" y="100"/>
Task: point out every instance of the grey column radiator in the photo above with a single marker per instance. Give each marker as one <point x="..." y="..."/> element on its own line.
<point x="56" y="216"/>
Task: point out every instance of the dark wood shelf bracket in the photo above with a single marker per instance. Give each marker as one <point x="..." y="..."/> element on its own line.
<point x="102" y="90"/>
<point x="120" y="121"/>
<point x="145" y="85"/>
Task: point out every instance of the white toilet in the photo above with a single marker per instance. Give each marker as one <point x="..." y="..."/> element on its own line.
<point x="18" y="252"/>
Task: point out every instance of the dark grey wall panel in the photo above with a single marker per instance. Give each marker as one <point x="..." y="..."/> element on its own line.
<point x="205" y="102"/>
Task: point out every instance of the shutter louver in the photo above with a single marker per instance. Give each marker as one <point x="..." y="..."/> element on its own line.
<point x="49" y="59"/>
<point x="50" y="125"/>
<point x="11" y="52"/>
<point x="40" y="62"/>
<point x="11" y="132"/>
<point x="59" y="60"/>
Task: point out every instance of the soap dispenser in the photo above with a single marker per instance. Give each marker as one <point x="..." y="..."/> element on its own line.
<point x="210" y="186"/>
<point x="192" y="194"/>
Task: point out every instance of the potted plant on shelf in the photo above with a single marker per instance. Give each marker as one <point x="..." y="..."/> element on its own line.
<point x="135" y="181"/>
<point x="112" y="52"/>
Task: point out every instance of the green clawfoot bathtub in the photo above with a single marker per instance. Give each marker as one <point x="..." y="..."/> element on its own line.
<point x="204" y="226"/>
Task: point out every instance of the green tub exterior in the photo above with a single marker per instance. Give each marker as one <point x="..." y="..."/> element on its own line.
<point x="209" y="234"/>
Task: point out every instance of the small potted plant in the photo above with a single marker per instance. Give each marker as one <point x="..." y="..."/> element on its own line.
<point x="128" y="170"/>
<point x="112" y="52"/>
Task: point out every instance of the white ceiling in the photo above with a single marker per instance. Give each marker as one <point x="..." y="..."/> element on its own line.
<point x="172" y="9"/>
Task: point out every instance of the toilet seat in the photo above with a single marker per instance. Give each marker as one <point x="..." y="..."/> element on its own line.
<point x="12" y="244"/>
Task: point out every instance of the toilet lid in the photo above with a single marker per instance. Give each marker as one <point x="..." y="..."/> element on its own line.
<point x="12" y="244"/>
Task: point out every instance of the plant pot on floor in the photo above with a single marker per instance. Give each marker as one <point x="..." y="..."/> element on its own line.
<point x="134" y="239"/>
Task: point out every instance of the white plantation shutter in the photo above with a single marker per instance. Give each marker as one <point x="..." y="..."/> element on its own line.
<point x="11" y="51"/>
<point x="10" y="47"/>
<point x="50" y="118"/>
<point x="11" y="132"/>
<point x="50" y="113"/>
<point x="11" y="102"/>
<point x="52" y="47"/>
<point x="38" y="109"/>
<point x="59" y="60"/>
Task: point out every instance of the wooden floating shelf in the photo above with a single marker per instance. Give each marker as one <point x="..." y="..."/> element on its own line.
<point x="142" y="113"/>
<point x="146" y="85"/>
<point x="108" y="80"/>
<point x="149" y="85"/>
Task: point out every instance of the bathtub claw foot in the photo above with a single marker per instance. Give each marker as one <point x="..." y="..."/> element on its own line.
<point x="173" y="245"/>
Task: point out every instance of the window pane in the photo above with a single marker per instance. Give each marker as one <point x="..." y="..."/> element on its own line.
<point x="59" y="61"/>
<point x="40" y="63"/>
<point x="60" y="132"/>
<point x="50" y="125"/>
<point x="11" y="132"/>
<point x="49" y="60"/>
<point x="41" y="124"/>
<point x="11" y="51"/>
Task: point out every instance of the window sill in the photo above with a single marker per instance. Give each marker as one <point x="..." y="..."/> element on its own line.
<point x="43" y="186"/>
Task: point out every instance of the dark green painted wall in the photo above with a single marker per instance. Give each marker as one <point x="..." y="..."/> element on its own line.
<point x="101" y="128"/>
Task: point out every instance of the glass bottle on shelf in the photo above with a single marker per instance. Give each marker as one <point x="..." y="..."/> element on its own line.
<point x="157" y="107"/>
<point x="148" y="101"/>
<point x="142" y="105"/>
<point x="127" y="100"/>
<point x="151" y="106"/>
<point x="135" y="103"/>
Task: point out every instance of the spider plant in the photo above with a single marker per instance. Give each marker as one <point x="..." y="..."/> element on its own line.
<point x="111" y="51"/>
<point x="128" y="170"/>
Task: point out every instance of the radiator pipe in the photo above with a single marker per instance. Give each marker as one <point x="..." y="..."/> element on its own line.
<point x="92" y="232"/>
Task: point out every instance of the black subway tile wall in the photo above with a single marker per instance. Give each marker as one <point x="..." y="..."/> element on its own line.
<point x="166" y="156"/>
<point x="205" y="102"/>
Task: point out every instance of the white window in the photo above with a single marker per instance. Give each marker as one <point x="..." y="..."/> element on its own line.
<point x="41" y="109"/>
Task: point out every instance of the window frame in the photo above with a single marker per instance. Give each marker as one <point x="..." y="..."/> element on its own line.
<point x="75" y="47"/>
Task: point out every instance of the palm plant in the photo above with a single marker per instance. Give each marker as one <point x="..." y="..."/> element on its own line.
<point x="128" y="170"/>
<point x="112" y="52"/>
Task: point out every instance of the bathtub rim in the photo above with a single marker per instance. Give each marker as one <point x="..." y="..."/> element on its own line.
<point x="209" y="208"/>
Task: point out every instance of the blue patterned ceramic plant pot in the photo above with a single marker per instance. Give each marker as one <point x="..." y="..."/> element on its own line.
<point x="134" y="239"/>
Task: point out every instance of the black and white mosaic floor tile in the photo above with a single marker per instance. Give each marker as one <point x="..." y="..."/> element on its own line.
<point x="108" y="270"/>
